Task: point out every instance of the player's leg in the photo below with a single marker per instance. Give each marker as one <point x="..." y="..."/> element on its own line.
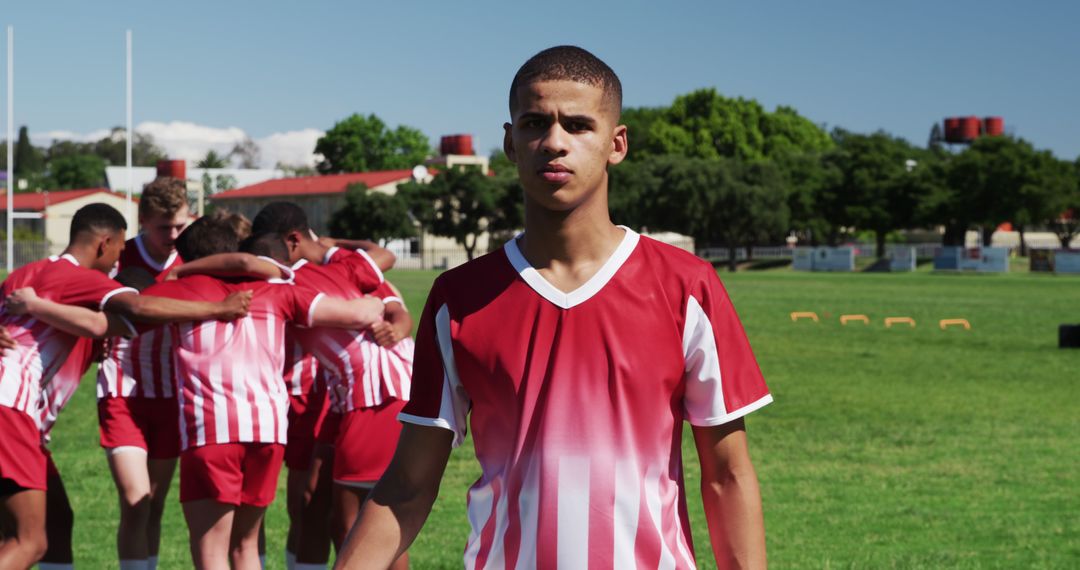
<point x="261" y="466"/>
<point x="210" y="531"/>
<point x="314" y="540"/>
<point x="25" y="509"/>
<point x="161" y="475"/>
<point x="347" y="500"/>
<point x="295" y="487"/>
<point x="244" y="541"/>
<point x="59" y="522"/>
<point x="132" y="478"/>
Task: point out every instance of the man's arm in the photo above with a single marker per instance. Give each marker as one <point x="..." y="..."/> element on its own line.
<point x="354" y="314"/>
<point x="383" y="257"/>
<point x="161" y="310"/>
<point x="400" y="502"/>
<point x="729" y="489"/>
<point x="71" y="319"/>
<point x="228" y="265"/>
<point x="396" y="325"/>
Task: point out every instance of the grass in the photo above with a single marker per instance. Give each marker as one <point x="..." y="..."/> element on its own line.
<point x="885" y="448"/>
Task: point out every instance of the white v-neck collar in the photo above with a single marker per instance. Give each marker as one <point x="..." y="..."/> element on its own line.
<point x="588" y="289"/>
<point x="149" y="260"/>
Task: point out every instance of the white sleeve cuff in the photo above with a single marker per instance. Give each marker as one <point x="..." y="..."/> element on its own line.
<point x="113" y="293"/>
<point x="432" y="422"/>
<point x="374" y="266"/>
<point x="311" y="309"/>
<point x="730" y="416"/>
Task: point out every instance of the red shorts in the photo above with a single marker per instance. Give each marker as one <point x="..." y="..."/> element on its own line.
<point x="151" y="424"/>
<point x="306" y="415"/>
<point x="22" y="459"/>
<point x="366" y="442"/>
<point x="327" y="434"/>
<point x="231" y="473"/>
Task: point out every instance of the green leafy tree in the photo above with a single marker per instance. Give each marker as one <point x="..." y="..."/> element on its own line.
<point x="457" y="203"/>
<point x="77" y="171"/>
<point x="212" y="160"/>
<point x="371" y="215"/>
<point x="1065" y="219"/>
<point x="361" y="144"/>
<point x="113" y="149"/>
<point x="28" y="158"/>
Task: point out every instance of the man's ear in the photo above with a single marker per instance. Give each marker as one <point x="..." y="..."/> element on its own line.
<point x="103" y="241"/>
<point x="292" y="240"/>
<point x="619" y="147"/>
<point x="508" y="142"/>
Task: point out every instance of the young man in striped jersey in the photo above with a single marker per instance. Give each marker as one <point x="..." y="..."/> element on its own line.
<point x="38" y="376"/>
<point x="576" y="353"/>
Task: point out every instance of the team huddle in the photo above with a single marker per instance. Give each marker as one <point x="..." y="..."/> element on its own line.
<point x="234" y="346"/>
<point x="574" y="354"/>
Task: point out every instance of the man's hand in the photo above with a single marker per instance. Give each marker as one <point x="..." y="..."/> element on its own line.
<point x="21" y="301"/>
<point x="385" y="334"/>
<point x="235" y="306"/>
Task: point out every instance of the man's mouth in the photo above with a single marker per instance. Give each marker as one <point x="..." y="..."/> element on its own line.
<point x="556" y="173"/>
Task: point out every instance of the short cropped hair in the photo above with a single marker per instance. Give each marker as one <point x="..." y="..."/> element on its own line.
<point x="95" y="218"/>
<point x="206" y="236"/>
<point x="280" y="218"/>
<point x="239" y="222"/>
<point x="164" y="195"/>
<point x="569" y="63"/>
<point x="268" y="244"/>
<point x="135" y="277"/>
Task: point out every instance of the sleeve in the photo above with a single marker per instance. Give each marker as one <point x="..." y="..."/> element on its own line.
<point x="437" y="397"/>
<point x="388" y="294"/>
<point x="91" y="289"/>
<point x="722" y="379"/>
<point x="298" y="303"/>
<point x="168" y="289"/>
<point x="362" y="270"/>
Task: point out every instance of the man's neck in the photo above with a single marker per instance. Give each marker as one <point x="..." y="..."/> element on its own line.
<point x="83" y="255"/>
<point x="318" y="253"/>
<point x="569" y="247"/>
<point x="157" y="256"/>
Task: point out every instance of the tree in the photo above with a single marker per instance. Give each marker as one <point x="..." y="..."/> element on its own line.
<point x="457" y="203"/>
<point x="245" y="153"/>
<point x="28" y="158"/>
<point x="77" y="171"/>
<point x="1065" y="222"/>
<point x="360" y="144"/>
<point x="212" y="160"/>
<point x="295" y="170"/>
<point x="371" y="215"/>
<point x="705" y="124"/>
<point x="878" y="186"/>
<point x="113" y="149"/>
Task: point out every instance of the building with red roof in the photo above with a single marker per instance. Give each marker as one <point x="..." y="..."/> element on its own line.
<point x="56" y="208"/>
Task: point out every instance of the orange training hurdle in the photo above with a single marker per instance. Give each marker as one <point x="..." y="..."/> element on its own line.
<point x="890" y="321"/>
<point x="804" y="315"/>
<point x="946" y="323"/>
<point x="845" y="319"/>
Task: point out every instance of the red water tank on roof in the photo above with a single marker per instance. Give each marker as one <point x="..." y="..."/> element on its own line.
<point x="994" y="126"/>
<point x="952" y="129"/>
<point x="456" y="144"/>
<point x="969" y="128"/>
<point x="174" y="168"/>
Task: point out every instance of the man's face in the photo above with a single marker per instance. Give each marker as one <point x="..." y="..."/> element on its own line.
<point x="109" y="249"/>
<point x="160" y="231"/>
<point x="562" y="139"/>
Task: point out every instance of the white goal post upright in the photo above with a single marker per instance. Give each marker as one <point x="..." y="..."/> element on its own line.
<point x="10" y="190"/>
<point x="130" y="210"/>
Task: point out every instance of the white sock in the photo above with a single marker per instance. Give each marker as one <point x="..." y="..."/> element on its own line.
<point x="56" y="566"/>
<point x="151" y="563"/>
<point x="309" y="566"/>
<point x="138" y="564"/>
<point x="290" y="559"/>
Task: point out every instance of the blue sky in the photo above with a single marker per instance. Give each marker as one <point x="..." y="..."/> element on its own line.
<point x="281" y="72"/>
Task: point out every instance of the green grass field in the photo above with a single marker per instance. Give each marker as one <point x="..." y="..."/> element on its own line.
<point x="885" y="448"/>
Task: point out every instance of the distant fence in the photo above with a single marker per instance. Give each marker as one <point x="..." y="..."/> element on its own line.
<point x="784" y="252"/>
<point x="25" y="252"/>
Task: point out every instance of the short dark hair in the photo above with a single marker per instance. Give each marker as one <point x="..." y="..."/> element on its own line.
<point x="135" y="277"/>
<point x="95" y="218"/>
<point x="206" y="236"/>
<point x="280" y="218"/>
<point x="267" y="244"/>
<point x="239" y="222"/>
<point x="569" y="63"/>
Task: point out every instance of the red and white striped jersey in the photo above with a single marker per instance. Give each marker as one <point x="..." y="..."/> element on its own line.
<point x="230" y="373"/>
<point x="57" y="392"/>
<point x="301" y="367"/>
<point x="141" y="366"/>
<point x="360" y="373"/>
<point x="43" y="350"/>
<point x="577" y="401"/>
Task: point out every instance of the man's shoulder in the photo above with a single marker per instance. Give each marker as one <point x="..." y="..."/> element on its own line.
<point x="673" y="261"/>
<point x="487" y="267"/>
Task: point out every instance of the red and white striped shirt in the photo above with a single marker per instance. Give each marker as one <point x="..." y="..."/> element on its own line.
<point x="141" y="366"/>
<point x="360" y="373"/>
<point x="42" y="350"/>
<point x="230" y="373"/>
<point x="58" y="392"/>
<point x="577" y="401"/>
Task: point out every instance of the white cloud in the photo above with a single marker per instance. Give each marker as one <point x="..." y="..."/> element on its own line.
<point x="191" y="141"/>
